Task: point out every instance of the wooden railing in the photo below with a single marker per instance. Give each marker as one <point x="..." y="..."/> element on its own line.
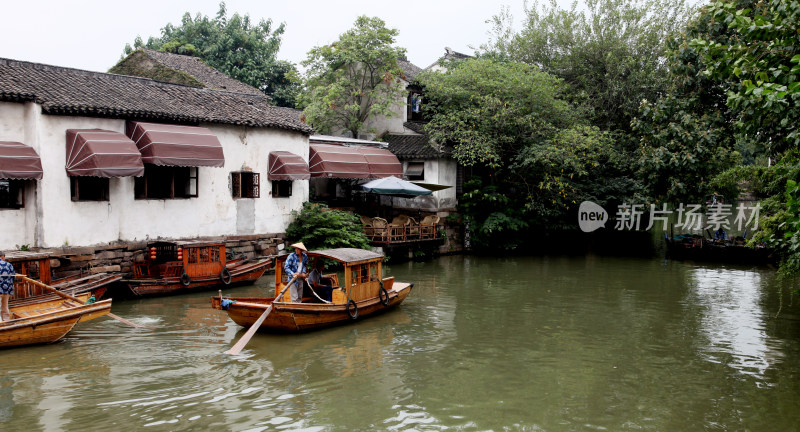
<point x="406" y="233"/>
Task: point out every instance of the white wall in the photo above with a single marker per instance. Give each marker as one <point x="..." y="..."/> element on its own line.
<point x="18" y="225"/>
<point x="436" y="171"/>
<point x="56" y="220"/>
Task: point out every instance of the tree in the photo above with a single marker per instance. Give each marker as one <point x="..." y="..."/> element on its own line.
<point x="542" y="157"/>
<point x="758" y="61"/>
<point x="235" y="46"/>
<point x="354" y="78"/>
<point x="610" y="52"/>
<point x="686" y="135"/>
<point x="490" y="110"/>
<point x="320" y="227"/>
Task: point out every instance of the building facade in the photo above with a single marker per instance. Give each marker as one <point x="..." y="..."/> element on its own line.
<point x="178" y="192"/>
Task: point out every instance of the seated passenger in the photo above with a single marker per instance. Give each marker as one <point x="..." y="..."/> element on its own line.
<point x="324" y="290"/>
<point x="720" y="234"/>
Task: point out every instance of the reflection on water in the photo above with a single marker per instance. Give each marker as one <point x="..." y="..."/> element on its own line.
<point x="734" y="319"/>
<point x="523" y="343"/>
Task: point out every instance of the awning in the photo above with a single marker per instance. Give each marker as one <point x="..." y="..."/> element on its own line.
<point x="102" y="153"/>
<point x="18" y="161"/>
<point x="382" y="163"/>
<point x="174" y="145"/>
<point x="431" y="186"/>
<point x="284" y="165"/>
<point x="337" y="161"/>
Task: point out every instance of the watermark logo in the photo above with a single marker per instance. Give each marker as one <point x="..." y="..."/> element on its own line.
<point x="690" y="217"/>
<point x="591" y="216"/>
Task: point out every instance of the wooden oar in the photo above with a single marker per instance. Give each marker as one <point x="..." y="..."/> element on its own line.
<point x="67" y="296"/>
<point x="236" y="349"/>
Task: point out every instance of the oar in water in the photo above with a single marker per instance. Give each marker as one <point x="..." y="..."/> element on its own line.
<point x="67" y="296"/>
<point x="236" y="349"/>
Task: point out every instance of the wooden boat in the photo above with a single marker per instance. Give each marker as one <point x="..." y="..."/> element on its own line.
<point x="697" y="248"/>
<point x="173" y="267"/>
<point x="36" y="265"/>
<point x="364" y="292"/>
<point x="48" y="320"/>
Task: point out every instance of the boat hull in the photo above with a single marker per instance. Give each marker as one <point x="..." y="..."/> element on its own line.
<point x="241" y="274"/>
<point x="298" y="317"/>
<point x="47" y="321"/>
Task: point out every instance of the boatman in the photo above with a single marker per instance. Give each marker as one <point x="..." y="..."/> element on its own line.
<point x="295" y="265"/>
<point x="6" y="286"/>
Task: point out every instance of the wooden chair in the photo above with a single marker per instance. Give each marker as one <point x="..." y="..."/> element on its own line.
<point x="366" y="223"/>
<point x="413" y="228"/>
<point x="380" y="229"/>
<point x="398" y="227"/>
<point x="427" y="227"/>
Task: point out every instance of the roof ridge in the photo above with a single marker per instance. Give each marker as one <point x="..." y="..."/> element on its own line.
<point x="46" y="67"/>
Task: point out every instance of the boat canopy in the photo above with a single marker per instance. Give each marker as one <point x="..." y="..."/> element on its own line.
<point x="347" y="255"/>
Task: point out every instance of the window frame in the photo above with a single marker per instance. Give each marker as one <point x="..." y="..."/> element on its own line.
<point x="277" y="189"/>
<point x="18" y="186"/>
<point x="151" y="174"/>
<point x="75" y="188"/>
<point x="247" y="182"/>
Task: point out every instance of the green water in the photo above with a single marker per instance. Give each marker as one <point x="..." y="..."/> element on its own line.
<point x="524" y="343"/>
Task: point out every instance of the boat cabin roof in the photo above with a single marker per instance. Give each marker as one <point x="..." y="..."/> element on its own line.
<point x="349" y="256"/>
<point x="187" y="243"/>
<point x="12" y="256"/>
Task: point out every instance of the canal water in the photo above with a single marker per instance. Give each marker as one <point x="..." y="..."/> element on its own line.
<point x="521" y="343"/>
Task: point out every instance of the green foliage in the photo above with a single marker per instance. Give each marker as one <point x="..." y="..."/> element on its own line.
<point x="758" y="64"/>
<point x="686" y="135"/>
<point x="352" y="79"/>
<point x="234" y="46"/>
<point x="320" y="227"/>
<point x="610" y="52"/>
<point x="733" y="181"/>
<point x="490" y="110"/>
<point x="492" y="219"/>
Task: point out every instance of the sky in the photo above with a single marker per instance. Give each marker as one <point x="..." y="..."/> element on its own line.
<point x="91" y="34"/>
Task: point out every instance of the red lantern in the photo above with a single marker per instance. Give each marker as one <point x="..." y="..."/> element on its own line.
<point x="152" y="253"/>
<point x="180" y="254"/>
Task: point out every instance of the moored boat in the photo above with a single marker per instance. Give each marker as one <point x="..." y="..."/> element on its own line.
<point x="361" y="292"/>
<point x="174" y="267"/>
<point x="697" y="248"/>
<point x="48" y="320"/>
<point x="36" y="265"/>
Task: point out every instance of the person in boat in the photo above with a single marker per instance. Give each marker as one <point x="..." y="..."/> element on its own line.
<point x="720" y="235"/>
<point x="297" y="264"/>
<point x="325" y="291"/>
<point x="6" y="286"/>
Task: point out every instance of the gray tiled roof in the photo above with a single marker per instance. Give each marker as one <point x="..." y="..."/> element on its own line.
<point x="66" y="91"/>
<point x="208" y="76"/>
<point x="409" y="69"/>
<point x="406" y="146"/>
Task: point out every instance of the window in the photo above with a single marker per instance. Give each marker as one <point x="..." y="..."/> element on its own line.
<point x="414" y="106"/>
<point x="88" y="188"/>
<point x="166" y="182"/>
<point x="11" y="194"/>
<point x="281" y="188"/>
<point x="415" y="171"/>
<point x="245" y="185"/>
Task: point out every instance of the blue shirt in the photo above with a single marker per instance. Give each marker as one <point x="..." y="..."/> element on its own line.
<point x="6" y="282"/>
<point x="292" y="265"/>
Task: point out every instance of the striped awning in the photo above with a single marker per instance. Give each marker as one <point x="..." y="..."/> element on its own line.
<point x="102" y="153"/>
<point x="284" y="165"/>
<point x="18" y="161"/>
<point x="361" y="162"/>
<point x="382" y="163"/>
<point x="175" y="145"/>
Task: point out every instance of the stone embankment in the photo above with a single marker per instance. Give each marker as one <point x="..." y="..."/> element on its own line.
<point x="119" y="256"/>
